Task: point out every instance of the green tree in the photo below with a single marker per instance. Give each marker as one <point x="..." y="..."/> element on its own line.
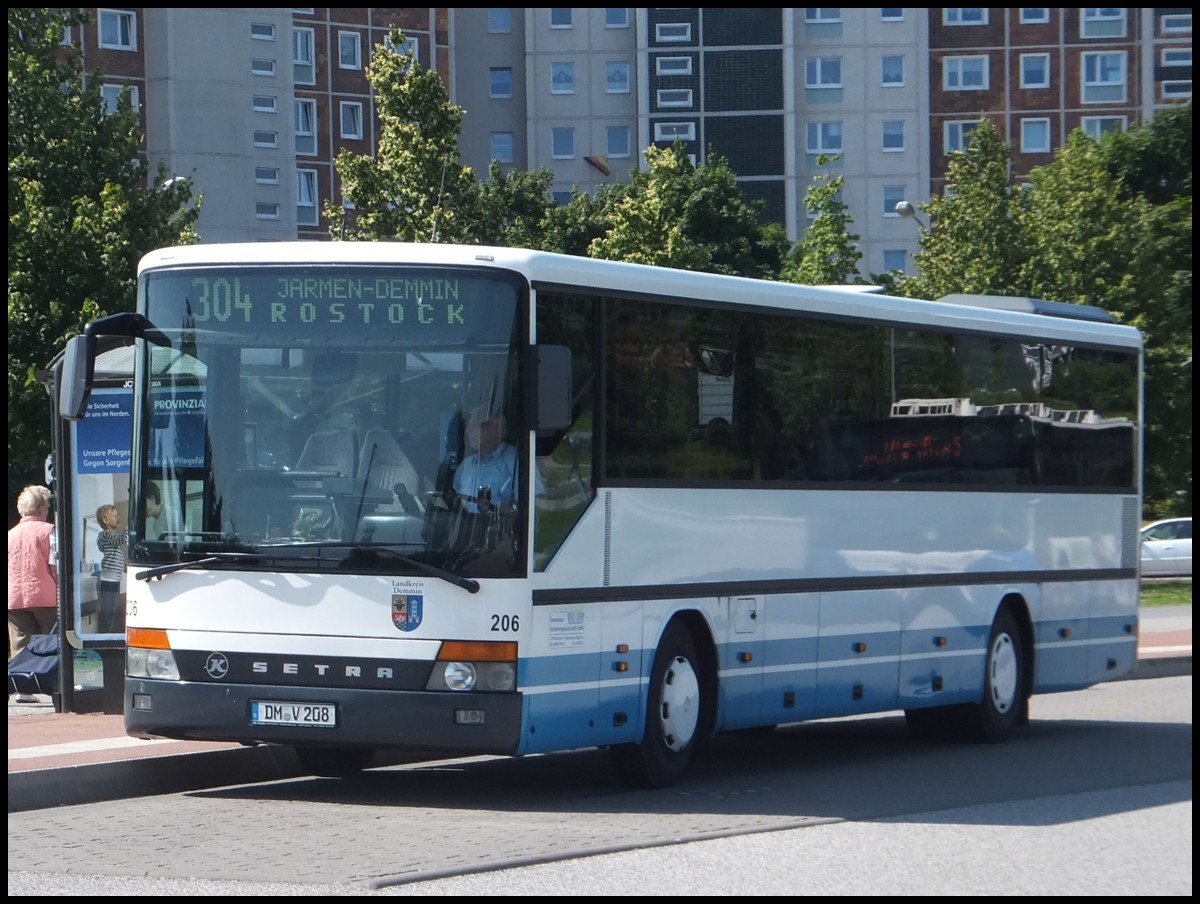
<point x="975" y="242"/>
<point x="83" y="207"/>
<point x="513" y="208"/>
<point x="676" y="214"/>
<point x="828" y="254"/>
<point x="415" y="188"/>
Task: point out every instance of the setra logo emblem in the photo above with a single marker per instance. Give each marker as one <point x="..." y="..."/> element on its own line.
<point x="406" y="610"/>
<point x="217" y="665"/>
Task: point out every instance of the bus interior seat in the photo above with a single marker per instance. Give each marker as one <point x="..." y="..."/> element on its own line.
<point x="383" y="463"/>
<point x="329" y="452"/>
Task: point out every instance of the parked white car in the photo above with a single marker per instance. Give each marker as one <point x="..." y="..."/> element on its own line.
<point x="1167" y="548"/>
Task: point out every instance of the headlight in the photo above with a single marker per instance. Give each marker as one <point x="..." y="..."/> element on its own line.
<point x="459" y="676"/>
<point x="141" y="663"/>
<point x="473" y="676"/>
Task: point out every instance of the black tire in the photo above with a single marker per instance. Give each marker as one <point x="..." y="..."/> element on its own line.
<point x="1005" y="685"/>
<point x="1005" y="701"/>
<point x="674" y="716"/>
<point x="333" y="762"/>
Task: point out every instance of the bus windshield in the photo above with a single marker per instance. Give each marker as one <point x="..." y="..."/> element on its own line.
<point x="303" y="413"/>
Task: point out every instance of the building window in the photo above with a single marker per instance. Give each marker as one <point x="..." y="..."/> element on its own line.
<point x="262" y="31"/>
<point x="892" y="71"/>
<point x="306" y="120"/>
<point x="958" y="133"/>
<point x="616" y="17"/>
<point x="499" y="20"/>
<point x="1035" y="70"/>
<point x="502" y="147"/>
<point x="965" y="73"/>
<point x="1103" y="77"/>
<point x="893" y="135"/>
<point x="822" y="15"/>
<point x="964" y="15"/>
<point x="673" y="32"/>
<point x="895" y="260"/>
<point x="823" y="72"/>
<point x="1035" y="15"/>
<point x="349" y="50"/>
<point x="562" y="78"/>
<point x="562" y="142"/>
<point x="823" y="138"/>
<point x="616" y="77"/>
<point x="1176" y="89"/>
<point x="674" y="131"/>
<point x="500" y="83"/>
<point x="352" y="119"/>
<point x="618" y="141"/>
<point x="302" y="56"/>
<point x="118" y="30"/>
<point x="265" y="139"/>
<point x="307" y="213"/>
<point x="892" y="195"/>
<point x="262" y="67"/>
<point x="891" y="14"/>
<point x="1177" y="56"/>
<point x="674" y="97"/>
<point x="1177" y="24"/>
<point x="560" y="198"/>
<point x="111" y="96"/>
<point x="266" y="175"/>
<point x="264" y="211"/>
<point x="1095" y="127"/>
<point x="1035" y="136"/>
<point x="264" y="103"/>
<point x="407" y="47"/>
<point x="669" y="65"/>
<point x="1095" y="22"/>
<point x="560" y="17"/>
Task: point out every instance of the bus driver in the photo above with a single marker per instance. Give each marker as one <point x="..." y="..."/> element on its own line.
<point x="487" y="476"/>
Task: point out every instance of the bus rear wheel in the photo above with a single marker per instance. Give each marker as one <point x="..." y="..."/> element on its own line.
<point x="1005" y="701"/>
<point x="333" y="762"/>
<point x="673" y="716"/>
<point x="1005" y="684"/>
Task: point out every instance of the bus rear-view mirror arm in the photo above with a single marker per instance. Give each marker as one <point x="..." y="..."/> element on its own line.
<point x="79" y="359"/>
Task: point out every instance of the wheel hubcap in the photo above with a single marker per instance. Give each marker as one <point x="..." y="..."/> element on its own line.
<point x="1004" y="672"/>
<point x="680" y="710"/>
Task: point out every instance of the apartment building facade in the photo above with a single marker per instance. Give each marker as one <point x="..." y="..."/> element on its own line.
<point x="254" y="104"/>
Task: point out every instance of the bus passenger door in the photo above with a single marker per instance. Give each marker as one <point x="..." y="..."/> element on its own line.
<point x="742" y="668"/>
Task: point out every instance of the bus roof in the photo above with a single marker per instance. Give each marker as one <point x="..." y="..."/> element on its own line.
<point x="972" y="313"/>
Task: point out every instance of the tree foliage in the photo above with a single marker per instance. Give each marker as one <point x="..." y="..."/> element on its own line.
<point x="415" y="187"/>
<point x="974" y="242"/>
<point x="677" y="214"/>
<point x="828" y="254"/>
<point x="82" y="209"/>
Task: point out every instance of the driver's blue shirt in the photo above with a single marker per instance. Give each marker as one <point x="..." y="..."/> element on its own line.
<point x="497" y="471"/>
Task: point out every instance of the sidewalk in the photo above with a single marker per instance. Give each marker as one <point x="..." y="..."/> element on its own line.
<point x="57" y="759"/>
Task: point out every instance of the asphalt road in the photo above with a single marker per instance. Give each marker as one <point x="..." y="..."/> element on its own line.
<point x="1093" y="798"/>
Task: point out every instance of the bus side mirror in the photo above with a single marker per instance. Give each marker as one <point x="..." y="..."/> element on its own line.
<point x="553" y="387"/>
<point x="75" y="382"/>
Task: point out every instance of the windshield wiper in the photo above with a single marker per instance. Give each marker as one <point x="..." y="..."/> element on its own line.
<point x="360" y="554"/>
<point x="162" y="570"/>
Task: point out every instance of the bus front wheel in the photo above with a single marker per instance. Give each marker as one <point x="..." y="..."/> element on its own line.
<point x="673" y="716"/>
<point x="333" y="762"/>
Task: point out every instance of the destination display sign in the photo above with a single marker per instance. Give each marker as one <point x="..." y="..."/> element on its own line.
<point x="331" y="300"/>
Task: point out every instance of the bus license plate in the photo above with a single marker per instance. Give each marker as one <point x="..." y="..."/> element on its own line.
<point x="305" y="715"/>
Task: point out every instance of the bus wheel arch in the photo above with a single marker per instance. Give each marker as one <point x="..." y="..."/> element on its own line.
<point x="680" y="707"/>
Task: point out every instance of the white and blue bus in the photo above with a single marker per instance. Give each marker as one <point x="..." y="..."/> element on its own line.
<point x="927" y="506"/>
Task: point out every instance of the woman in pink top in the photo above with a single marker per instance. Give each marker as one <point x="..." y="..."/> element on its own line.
<point x="32" y="576"/>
